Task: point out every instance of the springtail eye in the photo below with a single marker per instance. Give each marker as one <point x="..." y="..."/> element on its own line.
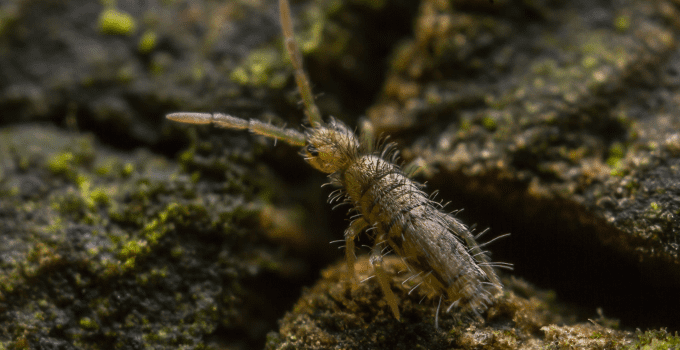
<point x="312" y="151"/>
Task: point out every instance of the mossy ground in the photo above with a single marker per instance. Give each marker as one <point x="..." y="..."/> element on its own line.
<point x="113" y="251"/>
<point x="333" y="315"/>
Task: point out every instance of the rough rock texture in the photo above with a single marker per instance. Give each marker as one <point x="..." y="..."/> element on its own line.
<point x="560" y="120"/>
<point x="555" y="121"/>
<point x="331" y="315"/>
<point x="103" y="249"/>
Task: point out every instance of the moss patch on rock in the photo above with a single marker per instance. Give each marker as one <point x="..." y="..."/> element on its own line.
<point x="107" y="250"/>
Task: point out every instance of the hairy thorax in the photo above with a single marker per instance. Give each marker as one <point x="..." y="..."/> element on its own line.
<point x="378" y="189"/>
<point x="402" y="216"/>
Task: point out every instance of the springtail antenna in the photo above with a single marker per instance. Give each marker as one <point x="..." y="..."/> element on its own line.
<point x="289" y="136"/>
<point x="311" y="110"/>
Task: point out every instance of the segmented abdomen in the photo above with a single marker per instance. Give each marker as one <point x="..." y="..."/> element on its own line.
<point x="434" y="244"/>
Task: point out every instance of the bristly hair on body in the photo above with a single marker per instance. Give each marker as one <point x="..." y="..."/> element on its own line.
<point x="439" y="250"/>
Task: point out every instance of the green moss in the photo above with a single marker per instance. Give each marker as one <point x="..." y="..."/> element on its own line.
<point x="88" y="323"/>
<point x="128" y="169"/>
<point x="264" y="66"/>
<point x="239" y="75"/>
<point x="257" y="67"/>
<point x="104" y="169"/>
<point x="110" y="269"/>
<point x="129" y="264"/>
<point x="311" y="39"/>
<point x="655" y="206"/>
<point x="147" y="42"/>
<point x="198" y="72"/>
<point x="61" y="163"/>
<point x="115" y="22"/>
<point x="616" y="152"/>
<point x="69" y="203"/>
<point x="21" y="343"/>
<point x="160" y="273"/>
<point x="576" y="155"/>
<point x="489" y="123"/>
<point x="99" y="196"/>
<point x="589" y="62"/>
<point x="465" y="125"/>
<point x="154" y="236"/>
<point x="186" y="157"/>
<point x="652" y="145"/>
<point x="618" y="171"/>
<point x="133" y="248"/>
<point x="655" y="340"/>
<point x="260" y="64"/>
<point x="195" y="176"/>
<point x="139" y="218"/>
<point x="151" y="337"/>
<point x="622" y="23"/>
